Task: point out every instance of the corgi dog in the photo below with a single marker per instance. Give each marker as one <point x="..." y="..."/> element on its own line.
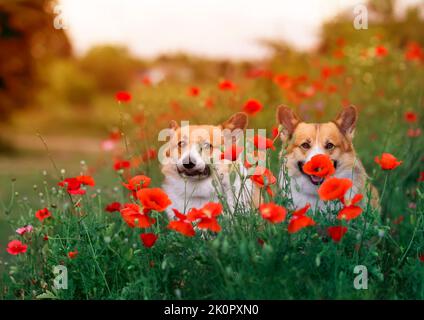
<point x="304" y="140"/>
<point x="191" y="178"/>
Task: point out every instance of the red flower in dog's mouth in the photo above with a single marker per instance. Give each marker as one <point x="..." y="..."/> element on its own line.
<point x="318" y="168"/>
<point x="320" y="165"/>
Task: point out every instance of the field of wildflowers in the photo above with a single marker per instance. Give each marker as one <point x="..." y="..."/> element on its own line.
<point x="116" y="242"/>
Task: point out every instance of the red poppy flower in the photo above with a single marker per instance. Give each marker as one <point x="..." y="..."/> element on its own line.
<point x="263" y="177"/>
<point x="232" y="153"/>
<point x="299" y="220"/>
<point x="326" y="72"/>
<point x="414" y="52"/>
<point x="252" y="106"/>
<point x="139" y="118"/>
<point x="336" y="233"/>
<point x="283" y="81"/>
<point x="123" y="96"/>
<point x="43" y="214"/>
<point x="414" y="133"/>
<point x="410" y="117"/>
<point x="350" y="210"/>
<point x="207" y="216"/>
<point x="332" y="88"/>
<point x="133" y="216"/>
<point x="146" y="81"/>
<point x="73" y="185"/>
<point x="320" y="165"/>
<point x="148" y="239"/>
<point x="153" y="199"/>
<point x="113" y="207"/>
<point x="72" y="254"/>
<point x="262" y="143"/>
<point x="356" y="198"/>
<point x="121" y="164"/>
<point x="381" y="51"/>
<point x="227" y="85"/>
<point x="421" y="177"/>
<point x="340" y="42"/>
<point x="261" y="242"/>
<point x="193" y="91"/>
<point x="275" y="132"/>
<point x="150" y="154"/>
<point x="25" y="229"/>
<point x="16" y="247"/>
<point x="302" y="211"/>
<point x="338" y="54"/>
<point x="297" y="223"/>
<point x="398" y="220"/>
<point x="334" y="188"/>
<point x="137" y="182"/>
<point x="86" y="180"/>
<point x="349" y="213"/>
<point x="387" y="161"/>
<point x="182" y="225"/>
<point x="421" y="257"/>
<point x="272" y="212"/>
<point x="115" y="135"/>
<point x="209" y="103"/>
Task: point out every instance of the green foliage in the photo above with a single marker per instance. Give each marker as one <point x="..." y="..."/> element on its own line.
<point x="113" y="68"/>
<point x="249" y="259"/>
<point x="67" y="83"/>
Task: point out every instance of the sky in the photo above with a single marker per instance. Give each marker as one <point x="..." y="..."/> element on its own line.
<point x="212" y="28"/>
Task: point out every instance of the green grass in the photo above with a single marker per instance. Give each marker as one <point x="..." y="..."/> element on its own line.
<point x="113" y="264"/>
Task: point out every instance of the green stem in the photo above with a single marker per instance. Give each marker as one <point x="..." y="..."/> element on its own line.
<point x="95" y="257"/>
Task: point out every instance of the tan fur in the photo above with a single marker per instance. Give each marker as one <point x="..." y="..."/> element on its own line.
<point x="195" y="191"/>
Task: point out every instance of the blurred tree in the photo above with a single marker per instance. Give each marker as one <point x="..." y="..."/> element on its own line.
<point x="384" y="22"/>
<point x="113" y="68"/>
<point x="28" y="39"/>
<point x="64" y="81"/>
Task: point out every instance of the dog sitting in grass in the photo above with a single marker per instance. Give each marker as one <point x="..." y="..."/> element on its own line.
<point x="303" y="140"/>
<point x="192" y="179"/>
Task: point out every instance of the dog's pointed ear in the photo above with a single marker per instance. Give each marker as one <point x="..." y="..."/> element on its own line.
<point x="346" y="121"/>
<point x="236" y="121"/>
<point x="288" y="119"/>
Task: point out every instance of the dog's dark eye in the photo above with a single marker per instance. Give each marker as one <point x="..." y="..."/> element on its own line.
<point x="329" y="146"/>
<point x="181" y="144"/>
<point x="305" y="145"/>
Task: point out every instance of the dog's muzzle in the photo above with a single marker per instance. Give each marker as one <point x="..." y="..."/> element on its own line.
<point x="314" y="179"/>
<point x="189" y="172"/>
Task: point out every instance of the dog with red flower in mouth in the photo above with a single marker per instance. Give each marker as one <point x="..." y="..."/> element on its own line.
<point x="314" y="151"/>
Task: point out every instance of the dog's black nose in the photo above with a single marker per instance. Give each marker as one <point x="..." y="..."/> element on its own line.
<point x="189" y="164"/>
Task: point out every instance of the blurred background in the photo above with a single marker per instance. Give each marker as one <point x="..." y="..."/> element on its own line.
<point x="62" y="62"/>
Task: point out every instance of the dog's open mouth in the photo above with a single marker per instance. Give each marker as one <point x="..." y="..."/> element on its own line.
<point x="314" y="179"/>
<point x="195" y="173"/>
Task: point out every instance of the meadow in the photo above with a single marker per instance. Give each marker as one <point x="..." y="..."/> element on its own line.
<point x="250" y="257"/>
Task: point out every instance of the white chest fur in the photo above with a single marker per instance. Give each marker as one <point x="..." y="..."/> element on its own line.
<point x="192" y="193"/>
